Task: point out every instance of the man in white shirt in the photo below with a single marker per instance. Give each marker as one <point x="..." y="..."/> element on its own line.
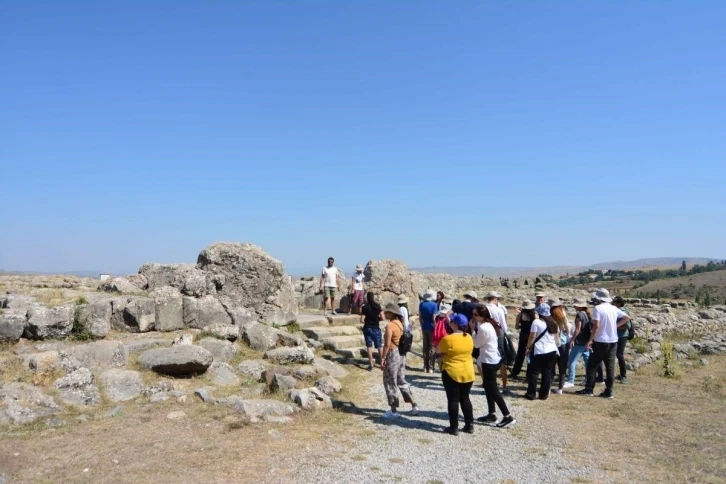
<point x="329" y="285"/>
<point x="357" y="290"/>
<point x="606" y="319"/>
<point x="499" y="315"/>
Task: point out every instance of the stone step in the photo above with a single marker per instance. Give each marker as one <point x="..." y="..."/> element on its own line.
<point x="335" y="343"/>
<point x="358" y="352"/>
<point x="311" y="320"/>
<point x="320" y="332"/>
<point x="344" y="320"/>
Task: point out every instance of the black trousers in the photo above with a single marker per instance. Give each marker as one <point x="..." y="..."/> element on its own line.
<point x="541" y="364"/>
<point x="620" y="353"/>
<point x="457" y="394"/>
<point x="521" y="353"/>
<point x="561" y="363"/>
<point x="601" y="352"/>
<point x="489" y="375"/>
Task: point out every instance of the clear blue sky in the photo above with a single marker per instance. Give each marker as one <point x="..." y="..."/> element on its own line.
<point x="440" y="133"/>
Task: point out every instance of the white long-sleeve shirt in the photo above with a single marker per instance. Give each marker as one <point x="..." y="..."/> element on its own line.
<point x="486" y="340"/>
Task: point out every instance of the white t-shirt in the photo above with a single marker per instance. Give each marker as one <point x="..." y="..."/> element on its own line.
<point x="546" y="343"/>
<point x="358" y="284"/>
<point x="486" y="340"/>
<point x="498" y="315"/>
<point x="404" y="318"/>
<point x="331" y="276"/>
<point x="608" y="316"/>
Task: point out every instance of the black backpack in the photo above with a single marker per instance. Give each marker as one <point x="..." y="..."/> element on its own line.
<point x="508" y="353"/>
<point x="404" y="344"/>
<point x="631" y="330"/>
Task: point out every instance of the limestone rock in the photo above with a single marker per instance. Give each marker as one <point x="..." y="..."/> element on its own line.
<point x="77" y="388"/>
<point x="134" y="284"/>
<point x="160" y="275"/>
<point x="328" y="385"/>
<point x="204" y="395"/>
<point x="282" y="383"/>
<point x="291" y="355"/>
<point x="98" y="328"/>
<point x="177" y="360"/>
<point x="228" y="332"/>
<point x="122" y="385"/>
<point x="140" y="314"/>
<point x="261" y="337"/>
<point x="184" y="339"/>
<point x="309" y="372"/>
<point x="252" y="369"/>
<point x="145" y="344"/>
<point x="204" y="311"/>
<point x="221" y="350"/>
<point x="12" y="326"/>
<point x="260" y="408"/>
<point x="269" y="374"/>
<point x="222" y="374"/>
<point x="46" y="323"/>
<point x="311" y="399"/>
<point x="100" y="354"/>
<point x="331" y="368"/>
<point x="22" y="403"/>
<point x="167" y="309"/>
<point x="389" y="279"/>
<point x="710" y="314"/>
<point x="44" y="361"/>
<point x="251" y="279"/>
<point x="18" y="303"/>
<point x="289" y="339"/>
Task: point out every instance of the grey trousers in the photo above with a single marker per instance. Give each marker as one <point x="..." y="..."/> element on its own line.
<point x="394" y="379"/>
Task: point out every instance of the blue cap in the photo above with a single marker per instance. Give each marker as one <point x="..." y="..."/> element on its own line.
<point x="461" y="321"/>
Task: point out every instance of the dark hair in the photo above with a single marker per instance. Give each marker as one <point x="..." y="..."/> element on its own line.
<point x="371" y="298"/>
<point x="455" y="302"/>
<point x="443" y="296"/>
<point x="483" y="312"/>
<point x="403" y="305"/>
<point x="619" y="300"/>
<point x="331" y="258"/>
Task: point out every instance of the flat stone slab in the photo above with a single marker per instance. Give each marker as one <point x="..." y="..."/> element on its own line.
<point x="311" y="320"/>
<point x="344" y="320"/>
<point x="355" y="352"/>
<point x="320" y="332"/>
<point x="335" y="343"/>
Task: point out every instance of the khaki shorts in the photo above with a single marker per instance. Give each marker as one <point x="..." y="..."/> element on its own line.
<point x="329" y="291"/>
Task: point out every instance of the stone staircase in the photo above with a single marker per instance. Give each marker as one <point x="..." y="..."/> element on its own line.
<point x="340" y="333"/>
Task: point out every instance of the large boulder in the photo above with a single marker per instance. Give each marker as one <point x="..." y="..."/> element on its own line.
<point x="167" y="309"/>
<point x="178" y="360"/>
<point x="22" y="403"/>
<point x="139" y="314"/>
<point x="204" y="311"/>
<point x="328" y="385"/>
<point x="18" y="303"/>
<point x="287" y="355"/>
<point x="445" y="283"/>
<point x="388" y="279"/>
<point x="250" y="278"/>
<point x="255" y="409"/>
<point x="221" y="350"/>
<point x="100" y="354"/>
<point x="330" y="368"/>
<point x="122" y="385"/>
<point x="12" y="326"/>
<point x="77" y="388"/>
<point x="710" y="314"/>
<point x="261" y="337"/>
<point x="133" y="284"/>
<point x="44" y="323"/>
<point x="160" y="275"/>
<point x="96" y="316"/>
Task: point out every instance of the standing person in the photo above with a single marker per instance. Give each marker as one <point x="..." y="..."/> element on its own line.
<point x="541" y="343"/>
<point x="371" y="316"/>
<point x="357" y="289"/>
<point x="541" y="306"/>
<point x="403" y="306"/>
<point x="441" y="330"/>
<point x="457" y="373"/>
<point x="563" y="342"/>
<point x="485" y="330"/>
<point x="394" y="364"/>
<point x="623" y="332"/>
<point x="440" y="296"/>
<point x="523" y="323"/>
<point x="606" y="319"/>
<point x="580" y="337"/>
<point x="329" y="285"/>
<point x="427" y="310"/>
<point x="466" y="307"/>
<point x="498" y="314"/>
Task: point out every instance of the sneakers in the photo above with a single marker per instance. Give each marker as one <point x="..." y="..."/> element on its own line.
<point x="415" y="410"/>
<point x="557" y="391"/>
<point x="451" y="431"/>
<point x="529" y="396"/>
<point x="507" y="392"/>
<point x="607" y="394"/>
<point x="585" y="391"/>
<point x="468" y="429"/>
<point x="506" y="422"/>
<point x="391" y="415"/>
<point x="623" y="380"/>
<point x="370" y="368"/>
<point x="568" y="385"/>
<point x="490" y="419"/>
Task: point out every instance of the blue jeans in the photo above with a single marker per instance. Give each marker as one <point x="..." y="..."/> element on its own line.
<point x="575" y="353"/>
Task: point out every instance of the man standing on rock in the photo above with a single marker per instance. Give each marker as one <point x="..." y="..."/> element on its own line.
<point x="329" y="285"/>
<point x="606" y="319"/>
<point x="357" y="290"/>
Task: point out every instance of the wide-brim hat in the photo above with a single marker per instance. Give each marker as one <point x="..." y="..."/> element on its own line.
<point x="527" y="304"/>
<point x="602" y="295"/>
<point x="555" y="302"/>
<point x="540" y="294"/>
<point x="429" y="295"/>
<point x="393" y="309"/>
<point x="495" y="294"/>
<point x="359" y="268"/>
<point x="444" y="310"/>
<point x="471" y="294"/>
<point x="579" y="303"/>
<point x="402" y="299"/>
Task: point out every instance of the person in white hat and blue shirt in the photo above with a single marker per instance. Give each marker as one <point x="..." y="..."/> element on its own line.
<point x="606" y="319"/>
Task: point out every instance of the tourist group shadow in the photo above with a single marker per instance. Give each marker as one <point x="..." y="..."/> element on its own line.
<point x="422" y="421"/>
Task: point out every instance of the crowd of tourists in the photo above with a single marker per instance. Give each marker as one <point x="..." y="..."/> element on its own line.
<point x="462" y="336"/>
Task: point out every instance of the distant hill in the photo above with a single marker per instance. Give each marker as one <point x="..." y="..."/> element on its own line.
<point x="86" y="273"/>
<point x="559" y="270"/>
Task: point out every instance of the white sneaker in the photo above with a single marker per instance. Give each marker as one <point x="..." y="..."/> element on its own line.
<point x="390" y="414"/>
<point x="414" y="410"/>
<point x="568" y="385"/>
<point x="558" y="391"/>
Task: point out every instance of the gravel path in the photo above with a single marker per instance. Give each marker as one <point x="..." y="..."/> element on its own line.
<point x="414" y="449"/>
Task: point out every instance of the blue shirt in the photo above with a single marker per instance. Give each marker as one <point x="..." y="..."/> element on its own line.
<point x="427" y="311"/>
<point x="543" y="309"/>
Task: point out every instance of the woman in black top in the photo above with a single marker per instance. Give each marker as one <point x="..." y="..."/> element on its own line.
<point x="371" y="315"/>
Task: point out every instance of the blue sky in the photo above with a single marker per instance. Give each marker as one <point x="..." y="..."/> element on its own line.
<point x="439" y="133"/>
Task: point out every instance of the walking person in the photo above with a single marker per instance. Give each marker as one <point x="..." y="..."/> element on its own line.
<point x="329" y="285"/>
<point x="357" y="290"/>
<point x="606" y="319"/>
<point x="371" y="316"/>
<point x="523" y="323"/>
<point x="580" y="337"/>
<point x="457" y="373"/>
<point x="543" y="350"/>
<point x="623" y="336"/>
<point x="427" y="310"/>
<point x="394" y="364"/>
<point x="486" y="332"/>
<point x="563" y="343"/>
